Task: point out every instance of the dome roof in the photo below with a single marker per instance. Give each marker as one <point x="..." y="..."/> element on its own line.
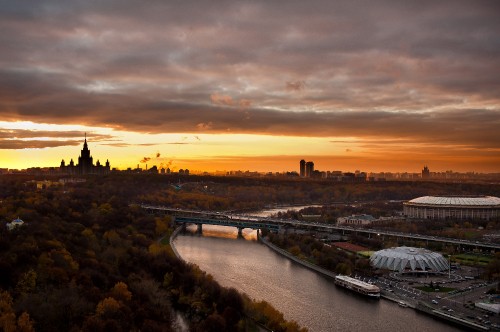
<point x="408" y="258"/>
<point x="457" y="200"/>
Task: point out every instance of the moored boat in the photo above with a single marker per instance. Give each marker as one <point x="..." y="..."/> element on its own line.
<point x="358" y="286"/>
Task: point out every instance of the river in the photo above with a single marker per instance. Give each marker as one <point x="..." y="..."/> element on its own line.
<point x="302" y="295"/>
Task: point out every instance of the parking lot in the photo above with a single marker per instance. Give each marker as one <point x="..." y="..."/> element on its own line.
<point x="459" y="302"/>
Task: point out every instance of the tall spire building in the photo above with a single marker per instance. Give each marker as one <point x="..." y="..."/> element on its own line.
<point x="85" y="164"/>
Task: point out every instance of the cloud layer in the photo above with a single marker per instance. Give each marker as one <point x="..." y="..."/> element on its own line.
<point x="423" y="72"/>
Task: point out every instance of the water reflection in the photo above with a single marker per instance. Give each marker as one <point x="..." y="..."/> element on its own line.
<point x="302" y="295"/>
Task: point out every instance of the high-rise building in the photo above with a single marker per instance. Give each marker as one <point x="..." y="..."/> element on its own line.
<point x="85" y="164"/>
<point x="309" y="169"/>
<point x="302" y="168"/>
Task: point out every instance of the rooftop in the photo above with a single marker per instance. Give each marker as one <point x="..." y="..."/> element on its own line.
<point x="457" y="200"/>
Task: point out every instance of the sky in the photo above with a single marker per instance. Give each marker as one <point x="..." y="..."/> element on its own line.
<point x="252" y="85"/>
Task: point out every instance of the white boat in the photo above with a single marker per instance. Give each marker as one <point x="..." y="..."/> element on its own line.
<point x="403" y="304"/>
<point x="358" y="286"/>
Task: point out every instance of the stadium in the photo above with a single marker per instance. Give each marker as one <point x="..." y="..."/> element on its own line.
<point x="408" y="259"/>
<point x="453" y="207"/>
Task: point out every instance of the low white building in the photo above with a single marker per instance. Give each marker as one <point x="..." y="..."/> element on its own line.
<point x="15" y="223"/>
<point x="360" y="219"/>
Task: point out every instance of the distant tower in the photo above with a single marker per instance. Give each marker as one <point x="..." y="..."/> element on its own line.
<point x="426" y="173"/>
<point x="85" y="164"/>
<point x="309" y="169"/>
<point x="85" y="161"/>
<point x="302" y="168"/>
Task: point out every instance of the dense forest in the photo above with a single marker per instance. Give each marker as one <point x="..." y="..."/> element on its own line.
<point x="89" y="258"/>
<point x="240" y="193"/>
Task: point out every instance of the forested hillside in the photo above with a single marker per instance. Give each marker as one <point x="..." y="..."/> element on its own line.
<point x="87" y="260"/>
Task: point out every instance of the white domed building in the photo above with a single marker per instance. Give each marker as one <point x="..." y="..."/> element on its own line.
<point x="453" y="207"/>
<point x="409" y="259"/>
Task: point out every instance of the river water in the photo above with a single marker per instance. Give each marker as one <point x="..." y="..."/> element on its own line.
<point x="300" y="294"/>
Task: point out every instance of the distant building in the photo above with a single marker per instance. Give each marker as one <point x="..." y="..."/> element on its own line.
<point x="453" y="207"/>
<point x="426" y="173"/>
<point x="15" y="223"/>
<point x="309" y="169"/>
<point x="85" y="164"/>
<point x="302" y="168"/>
<point x="46" y="184"/>
<point x="360" y="219"/>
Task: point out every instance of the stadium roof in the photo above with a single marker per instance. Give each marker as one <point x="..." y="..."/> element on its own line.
<point x="408" y="258"/>
<point x="457" y="200"/>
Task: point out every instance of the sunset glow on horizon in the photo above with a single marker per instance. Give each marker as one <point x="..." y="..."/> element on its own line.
<point x="236" y="85"/>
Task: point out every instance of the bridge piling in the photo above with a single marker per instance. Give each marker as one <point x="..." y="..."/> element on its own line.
<point x="240" y="232"/>
<point x="199" y="229"/>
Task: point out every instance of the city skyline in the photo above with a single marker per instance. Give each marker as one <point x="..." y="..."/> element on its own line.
<point x="85" y="166"/>
<point x="372" y="86"/>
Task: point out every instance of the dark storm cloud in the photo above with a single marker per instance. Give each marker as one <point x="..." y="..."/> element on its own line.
<point x="15" y="144"/>
<point x="422" y="71"/>
<point x="30" y="139"/>
<point x="24" y="133"/>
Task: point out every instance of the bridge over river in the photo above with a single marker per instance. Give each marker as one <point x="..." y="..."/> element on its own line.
<point x="238" y="223"/>
<point x="242" y="221"/>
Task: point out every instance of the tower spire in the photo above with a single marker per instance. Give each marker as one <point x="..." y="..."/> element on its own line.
<point x="85" y="143"/>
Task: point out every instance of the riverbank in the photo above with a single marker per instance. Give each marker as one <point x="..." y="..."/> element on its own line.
<point x="252" y="324"/>
<point x="171" y="242"/>
<point x="416" y="305"/>
<point x="308" y="265"/>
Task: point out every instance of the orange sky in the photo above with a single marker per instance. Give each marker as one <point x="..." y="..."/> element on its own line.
<point x="365" y="85"/>
<point x="224" y="152"/>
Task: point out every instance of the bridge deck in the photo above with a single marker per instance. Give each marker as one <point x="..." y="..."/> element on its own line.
<point x="227" y="222"/>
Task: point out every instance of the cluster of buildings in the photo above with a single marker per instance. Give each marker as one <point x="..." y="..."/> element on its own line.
<point x="365" y="219"/>
<point x="85" y="166"/>
<point x="155" y="170"/>
<point x="307" y="171"/>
